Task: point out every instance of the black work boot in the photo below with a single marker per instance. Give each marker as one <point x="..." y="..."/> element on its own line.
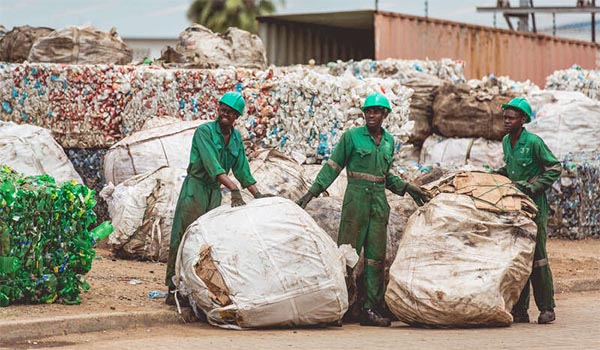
<point x="520" y="316"/>
<point x="370" y="317"/>
<point x="546" y="316"/>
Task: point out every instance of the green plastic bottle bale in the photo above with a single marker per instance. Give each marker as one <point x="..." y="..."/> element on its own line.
<point x="45" y="245"/>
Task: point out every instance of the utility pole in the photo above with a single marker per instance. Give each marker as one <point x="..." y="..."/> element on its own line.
<point x="524" y="19"/>
<point x="426" y="9"/>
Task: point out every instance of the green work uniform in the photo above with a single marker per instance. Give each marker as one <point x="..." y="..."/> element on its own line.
<point x="532" y="161"/>
<point x="200" y="192"/>
<point x="365" y="211"/>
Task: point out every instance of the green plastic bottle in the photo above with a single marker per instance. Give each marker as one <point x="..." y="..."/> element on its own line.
<point x="102" y="231"/>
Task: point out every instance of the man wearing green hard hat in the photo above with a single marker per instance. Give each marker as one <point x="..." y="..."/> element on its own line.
<point x="533" y="168"/>
<point x="367" y="153"/>
<point x="217" y="148"/>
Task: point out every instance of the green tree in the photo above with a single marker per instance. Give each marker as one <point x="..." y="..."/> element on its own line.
<point x="218" y="15"/>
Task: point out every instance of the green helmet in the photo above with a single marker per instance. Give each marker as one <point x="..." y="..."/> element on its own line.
<point x="234" y="100"/>
<point x="376" y="100"/>
<point x="521" y="104"/>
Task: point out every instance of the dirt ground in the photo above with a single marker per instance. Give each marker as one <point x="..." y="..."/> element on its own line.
<point x="123" y="285"/>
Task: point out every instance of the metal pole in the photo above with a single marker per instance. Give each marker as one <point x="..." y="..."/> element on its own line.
<point x="594" y="23"/>
<point x="553" y="23"/>
<point x="524" y="19"/>
<point x="376" y="5"/>
<point x="494" y="19"/>
<point x="532" y="17"/>
<point x="426" y="9"/>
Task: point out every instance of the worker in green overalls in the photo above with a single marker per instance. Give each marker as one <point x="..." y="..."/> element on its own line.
<point x="530" y="164"/>
<point x="367" y="153"/>
<point x="216" y="149"/>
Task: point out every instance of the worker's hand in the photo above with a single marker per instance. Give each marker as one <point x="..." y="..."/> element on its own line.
<point x="303" y="202"/>
<point x="236" y="198"/>
<point x="527" y="188"/>
<point x="258" y="195"/>
<point x="417" y="194"/>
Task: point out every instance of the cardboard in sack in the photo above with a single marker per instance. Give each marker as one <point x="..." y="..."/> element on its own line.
<point x="32" y="150"/>
<point x="264" y="264"/>
<point x="141" y="210"/>
<point x="146" y="150"/>
<point x="16" y="44"/>
<point x="465" y="256"/>
<point x="81" y="45"/>
<point x="461" y="111"/>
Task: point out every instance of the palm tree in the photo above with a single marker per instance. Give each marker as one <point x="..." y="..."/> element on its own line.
<point x="218" y="15"/>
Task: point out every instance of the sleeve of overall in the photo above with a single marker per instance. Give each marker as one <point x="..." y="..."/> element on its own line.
<point x="208" y="152"/>
<point x="393" y="182"/>
<point x="241" y="169"/>
<point x="552" y="167"/>
<point x="333" y="166"/>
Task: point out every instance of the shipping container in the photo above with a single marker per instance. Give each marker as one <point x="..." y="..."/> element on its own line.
<point x="324" y="37"/>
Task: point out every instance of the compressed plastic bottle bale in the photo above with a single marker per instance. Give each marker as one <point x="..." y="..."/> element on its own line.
<point x="81" y="45"/>
<point x="16" y="44"/>
<point x="264" y="264"/>
<point x="32" y="150"/>
<point x="453" y="153"/>
<point x="141" y="210"/>
<point x="576" y="78"/>
<point x="462" y="261"/>
<point x="48" y="248"/>
<point x="147" y="150"/>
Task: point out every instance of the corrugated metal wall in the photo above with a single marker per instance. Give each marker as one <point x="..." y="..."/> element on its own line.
<point x="485" y="50"/>
<point x="292" y="43"/>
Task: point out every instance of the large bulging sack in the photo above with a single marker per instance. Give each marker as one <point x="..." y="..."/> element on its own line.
<point x="16" y="44"/>
<point x="261" y="265"/>
<point x="336" y="189"/>
<point x="457" y="152"/>
<point x="32" y="150"/>
<point x="460" y="111"/>
<point x="569" y="123"/>
<point x="463" y="260"/>
<point x="146" y="150"/>
<point x="141" y="210"/>
<point x="81" y="45"/>
<point x="201" y="48"/>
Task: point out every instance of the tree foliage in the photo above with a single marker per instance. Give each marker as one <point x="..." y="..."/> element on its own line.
<point x="218" y="15"/>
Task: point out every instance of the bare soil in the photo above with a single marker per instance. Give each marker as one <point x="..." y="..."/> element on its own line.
<point x="123" y="285"/>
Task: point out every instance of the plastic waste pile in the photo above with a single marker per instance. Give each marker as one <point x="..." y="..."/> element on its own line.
<point x="45" y="242"/>
<point x="465" y="256"/>
<point x="576" y="79"/>
<point x="445" y="69"/>
<point x="574" y="198"/>
<point x="262" y="265"/>
<point x="504" y="84"/>
<point x="88" y="162"/>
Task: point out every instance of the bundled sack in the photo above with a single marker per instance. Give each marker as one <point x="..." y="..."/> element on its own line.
<point x="568" y="123"/>
<point x="425" y="88"/>
<point x="16" y="44"/>
<point x="465" y="256"/>
<point x="81" y="45"/>
<point x="462" y="111"/>
<point x="261" y="265"/>
<point x="141" y="210"/>
<point x="201" y="48"/>
<point x="457" y="152"/>
<point x="336" y="189"/>
<point x="32" y="150"/>
<point x="146" y="150"/>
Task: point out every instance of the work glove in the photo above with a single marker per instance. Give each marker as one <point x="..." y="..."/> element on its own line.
<point x="303" y="202"/>
<point x="417" y="194"/>
<point x="528" y="188"/>
<point x="263" y="195"/>
<point x="236" y="198"/>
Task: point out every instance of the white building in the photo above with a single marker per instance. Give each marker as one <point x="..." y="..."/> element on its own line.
<point x="148" y="47"/>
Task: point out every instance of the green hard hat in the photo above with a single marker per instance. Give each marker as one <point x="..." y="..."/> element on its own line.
<point x="521" y="104"/>
<point x="234" y="100"/>
<point x="376" y="100"/>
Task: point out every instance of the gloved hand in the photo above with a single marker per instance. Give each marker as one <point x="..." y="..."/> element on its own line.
<point x="417" y="194"/>
<point x="236" y="198"/>
<point x="303" y="202"/>
<point x="527" y="188"/>
<point x="263" y="195"/>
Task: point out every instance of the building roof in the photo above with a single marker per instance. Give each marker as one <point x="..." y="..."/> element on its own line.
<point x="349" y="19"/>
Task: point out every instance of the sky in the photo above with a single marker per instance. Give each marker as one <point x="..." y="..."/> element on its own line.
<point x="167" y="18"/>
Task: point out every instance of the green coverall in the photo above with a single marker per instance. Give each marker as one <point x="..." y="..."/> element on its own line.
<point x="200" y="192"/>
<point x="532" y="161"/>
<point x="365" y="211"/>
